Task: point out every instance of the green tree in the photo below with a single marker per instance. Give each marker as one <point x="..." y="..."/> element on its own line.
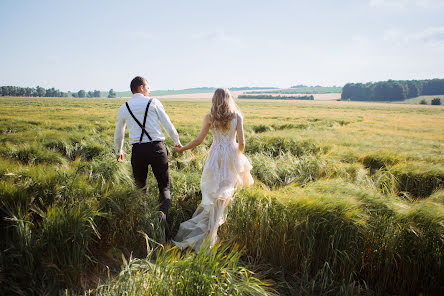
<point x="111" y="93"/>
<point x="414" y="88"/>
<point x="13" y="91"/>
<point x="436" y="101"/>
<point x="389" y="91"/>
<point x="50" y="92"/>
<point x="357" y="92"/>
<point x="20" y="91"/>
<point x="41" y="92"/>
<point x="28" y="91"/>
<point x="433" y="87"/>
<point x="81" y="93"/>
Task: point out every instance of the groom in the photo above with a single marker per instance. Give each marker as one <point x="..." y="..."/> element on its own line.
<point x="142" y="116"/>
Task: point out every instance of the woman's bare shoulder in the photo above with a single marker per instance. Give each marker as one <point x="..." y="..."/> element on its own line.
<point x="207" y="118"/>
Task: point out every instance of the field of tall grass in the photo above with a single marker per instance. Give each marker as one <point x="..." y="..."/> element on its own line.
<point x="348" y="200"/>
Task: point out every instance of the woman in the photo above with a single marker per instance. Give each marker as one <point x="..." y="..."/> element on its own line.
<point x="225" y="169"/>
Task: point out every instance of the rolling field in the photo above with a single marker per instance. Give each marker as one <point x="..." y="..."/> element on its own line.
<point x="428" y="99"/>
<point x="348" y="200"/>
<point x="208" y="96"/>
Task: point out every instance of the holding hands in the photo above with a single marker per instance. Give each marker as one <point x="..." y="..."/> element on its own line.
<point x="179" y="148"/>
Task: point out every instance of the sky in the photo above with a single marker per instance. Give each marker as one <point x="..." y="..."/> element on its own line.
<point x="84" y="44"/>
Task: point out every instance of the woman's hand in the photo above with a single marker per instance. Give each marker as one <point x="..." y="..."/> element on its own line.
<point x="178" y="148"/>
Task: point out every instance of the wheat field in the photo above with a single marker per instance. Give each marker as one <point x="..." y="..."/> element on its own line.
<point x="348" y="200"/>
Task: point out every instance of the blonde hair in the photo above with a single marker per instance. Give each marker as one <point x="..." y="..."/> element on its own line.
<point x="223" y="109"/>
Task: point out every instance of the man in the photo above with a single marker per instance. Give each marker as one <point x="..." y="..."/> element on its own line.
<point x="142" y="116"/>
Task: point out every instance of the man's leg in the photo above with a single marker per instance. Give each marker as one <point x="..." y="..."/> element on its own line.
<point x="159" y="164"/>
<point x="139" y="163"/>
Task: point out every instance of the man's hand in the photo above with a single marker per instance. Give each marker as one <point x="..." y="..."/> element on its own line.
<point x="178" y="148"/>
<point x="120" y="157"/>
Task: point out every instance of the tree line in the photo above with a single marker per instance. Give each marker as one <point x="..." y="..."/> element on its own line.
<point x="392" y="90"/>
<point x="16" y="91"/>
<point x="83" y="94"/>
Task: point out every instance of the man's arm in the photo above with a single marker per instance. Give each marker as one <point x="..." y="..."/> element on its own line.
<point x="166" y="123"/>
<point x="119" y="134"/>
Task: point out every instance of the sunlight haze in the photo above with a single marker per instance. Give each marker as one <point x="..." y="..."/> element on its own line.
<point x="72" y="45"/>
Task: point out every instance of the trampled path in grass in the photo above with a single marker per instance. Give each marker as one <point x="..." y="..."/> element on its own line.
<point x="348" y="199"/>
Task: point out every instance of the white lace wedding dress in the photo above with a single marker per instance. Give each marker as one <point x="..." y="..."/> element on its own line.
<point x="226" y="168"/>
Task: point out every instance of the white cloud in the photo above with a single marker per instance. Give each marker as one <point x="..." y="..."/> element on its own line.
<point x="394" y="36"/>
<point x="211" y="36"/>
<point x="140" y="35"/>
<point x="145" y="35"/>
<point x="217" y="37"/>
<point x="361" y="40"/>
<point x="388" y="3"/>
<point x="431" y="37"/>
<point x="400" y="4"/>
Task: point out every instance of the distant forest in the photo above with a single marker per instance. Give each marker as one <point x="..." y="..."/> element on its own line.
<point x="392" y="90"/>
<point x="15" y="91"/>
<point x="270" y="97"/>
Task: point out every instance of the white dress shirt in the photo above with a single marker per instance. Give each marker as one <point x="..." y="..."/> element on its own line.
<point x="156" y="114"/>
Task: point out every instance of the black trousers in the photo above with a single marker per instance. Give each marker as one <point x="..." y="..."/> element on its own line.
<point x="154" y="154"/>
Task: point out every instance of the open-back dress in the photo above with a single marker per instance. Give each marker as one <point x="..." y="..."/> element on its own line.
<point x="226" y="168"/>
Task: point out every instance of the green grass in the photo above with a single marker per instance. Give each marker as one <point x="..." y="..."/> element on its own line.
<point x="168" y="272"/>
<point x="358" y="233"/>
<point x="348" y="200"/>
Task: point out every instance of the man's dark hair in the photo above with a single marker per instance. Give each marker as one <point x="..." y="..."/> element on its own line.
<point x="136" y="82"/>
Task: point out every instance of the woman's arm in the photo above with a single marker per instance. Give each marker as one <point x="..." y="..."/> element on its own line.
<point x="240" y="133"/>
<point x="199" y="139"/>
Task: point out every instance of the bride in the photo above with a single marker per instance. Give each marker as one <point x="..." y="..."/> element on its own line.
<point x="225" y="169"/>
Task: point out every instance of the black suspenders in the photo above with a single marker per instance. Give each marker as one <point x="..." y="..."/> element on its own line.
<point x="144" y="120"/>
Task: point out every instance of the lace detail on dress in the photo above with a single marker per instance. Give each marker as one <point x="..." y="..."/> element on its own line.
<point x="225" y="169"/>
